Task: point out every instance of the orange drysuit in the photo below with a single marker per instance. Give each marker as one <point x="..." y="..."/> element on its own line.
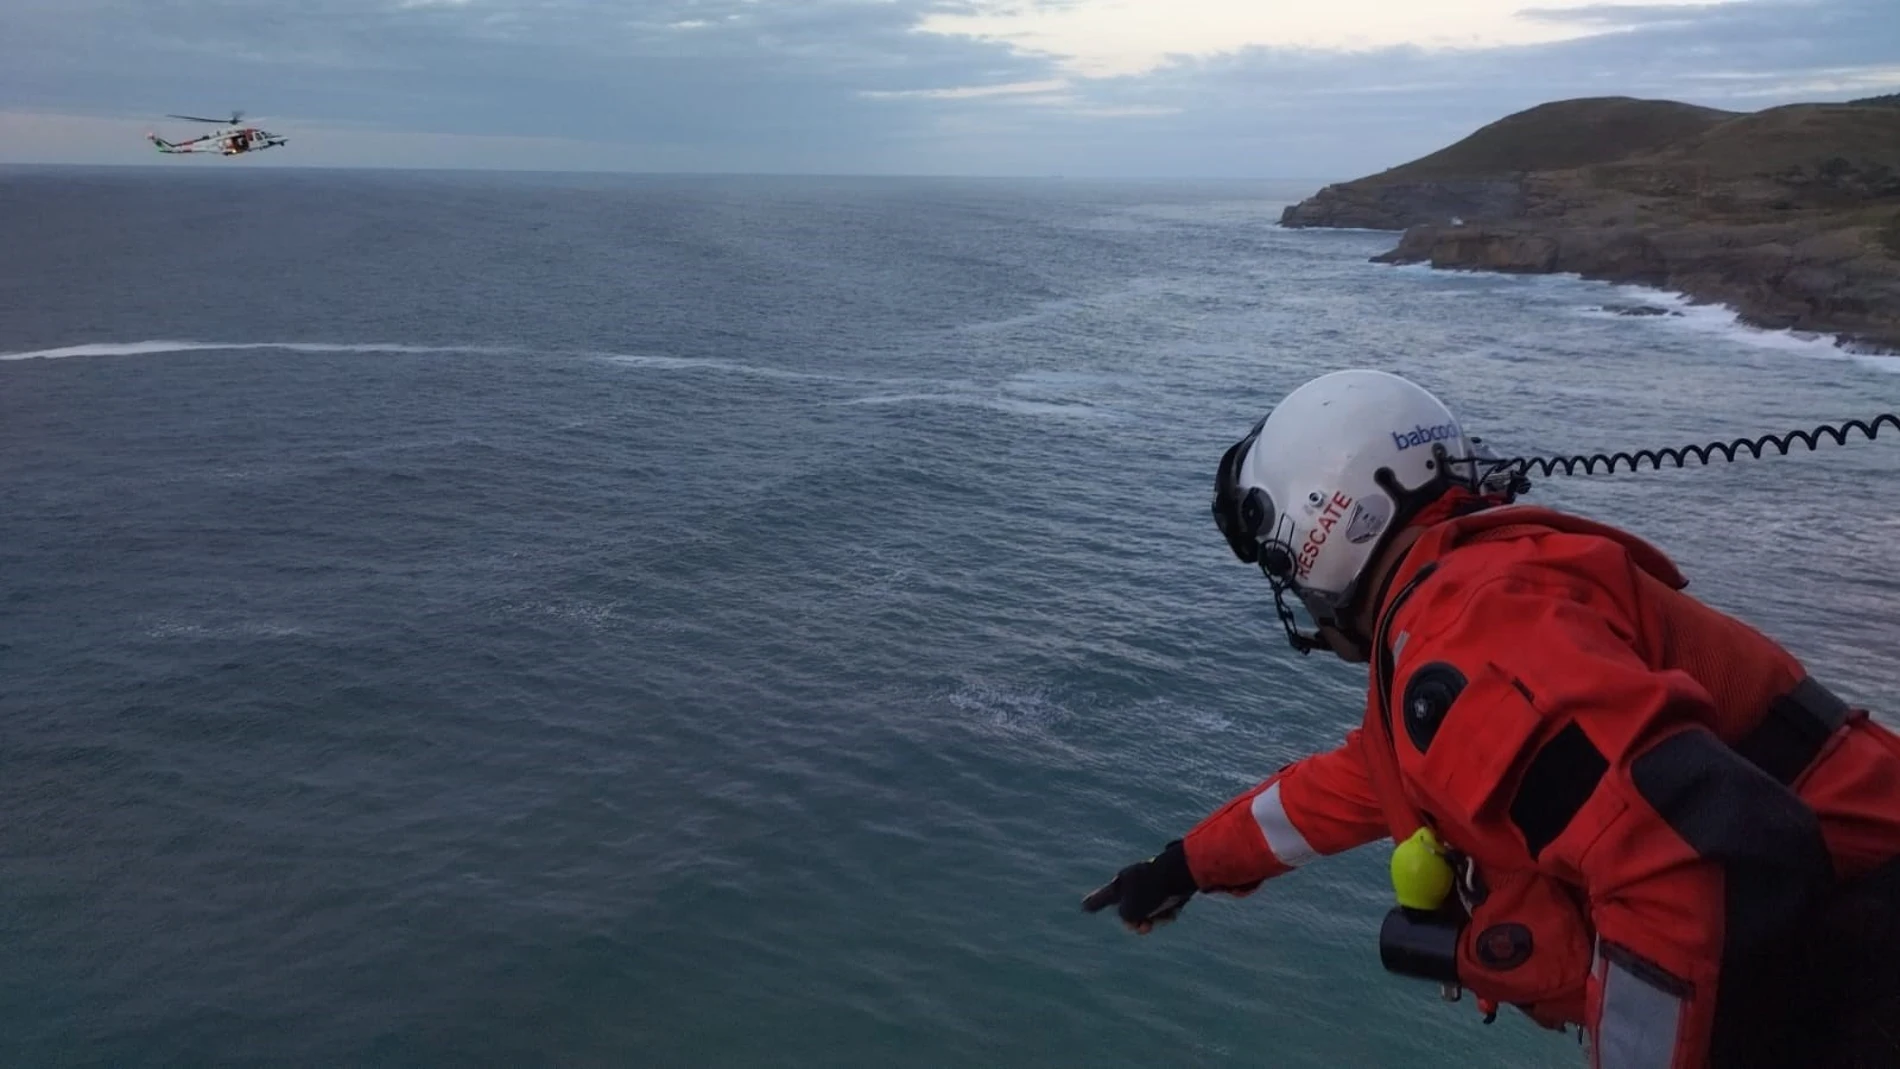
<point x="1645" y="794"/>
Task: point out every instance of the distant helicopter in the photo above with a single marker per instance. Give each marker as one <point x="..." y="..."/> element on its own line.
<point x="229" y="140"/>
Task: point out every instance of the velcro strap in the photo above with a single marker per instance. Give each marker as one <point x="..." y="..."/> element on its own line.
<point x="1798" y="724"/>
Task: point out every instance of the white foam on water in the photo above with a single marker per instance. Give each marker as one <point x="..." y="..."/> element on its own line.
<point x="147" y="348"/>
<point x="901" y="399"/>
<point x="1042" y="313"/>
<point x="1722" y="321"/>
<point x="1064" y="409"/>
<point x="877" y="574"/>
<point x="1705" y="318"/>
<point x="1061" y="394"/>
<point x="592" y="616"/>
<point x="171" y="627"/>
<point x="1172" y="712"/>
<point x="1066" y="379"/>
<point x="1010" y="707"/>
<point x="1014" y="406"/>
<point x="1699" y="317"/>
<point x="657" y="362"/>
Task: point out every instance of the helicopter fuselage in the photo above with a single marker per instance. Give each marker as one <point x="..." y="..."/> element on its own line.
<point x="229" y="141"/>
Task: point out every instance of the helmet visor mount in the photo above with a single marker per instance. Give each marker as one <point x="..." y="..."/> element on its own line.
<point x="1252" y="525"/>
<point x="1234" y="507"/>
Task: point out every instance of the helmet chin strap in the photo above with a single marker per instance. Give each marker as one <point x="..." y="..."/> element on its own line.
<point x="1299" y="640"/>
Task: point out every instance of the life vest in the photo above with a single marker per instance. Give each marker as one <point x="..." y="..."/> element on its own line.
<point x="1530" y="941"/>
<point x="1420" y="563"/>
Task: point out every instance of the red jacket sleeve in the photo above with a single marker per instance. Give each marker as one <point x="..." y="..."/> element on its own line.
<point x="1317" y="806"/>
<point x="1562" y="750"/>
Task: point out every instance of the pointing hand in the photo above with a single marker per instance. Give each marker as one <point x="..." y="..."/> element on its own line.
<point x="1149" y="892"/>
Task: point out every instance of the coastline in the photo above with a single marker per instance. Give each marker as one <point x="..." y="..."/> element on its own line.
<point x="1806" y="283"/>
<point x="1666" y="300"/>
<point x="1788" y="216"/>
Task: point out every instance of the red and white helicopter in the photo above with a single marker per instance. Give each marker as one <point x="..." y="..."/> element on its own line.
<point x="229" y="139"/>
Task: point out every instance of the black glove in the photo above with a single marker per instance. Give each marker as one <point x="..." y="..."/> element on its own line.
<point x="1147" y="892"/>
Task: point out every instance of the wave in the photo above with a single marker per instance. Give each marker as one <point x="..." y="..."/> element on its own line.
<point x="1684" y="313"/>
<point x="591" y="616"/>
<point x="644" y="360"/>
<point x="145" y="348"/>
<point x="1058" y="392"/>
<point x="1722" y="320"/>
<point x="1069" y="379"/>
<point x="172" y="627"/>
<point x="727" y="367"/>
<point x="1011" y="707"/>
<point x="1713" y="318"/>
<point x="1008" y="405"/>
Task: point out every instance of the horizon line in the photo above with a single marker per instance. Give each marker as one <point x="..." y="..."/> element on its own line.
<point x="212" y="167"/>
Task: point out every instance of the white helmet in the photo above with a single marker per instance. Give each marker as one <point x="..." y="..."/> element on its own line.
<point x="1312" y="492"/>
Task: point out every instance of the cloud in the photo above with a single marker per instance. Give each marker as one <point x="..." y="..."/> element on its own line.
<point x="1303" y="112"/>
<point x="1119" y="37"/>
<point x="968" y="92"/>
<point x="1189" y="87"/>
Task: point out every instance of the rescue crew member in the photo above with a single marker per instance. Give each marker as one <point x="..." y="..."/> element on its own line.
<point x="1647" y="819"/>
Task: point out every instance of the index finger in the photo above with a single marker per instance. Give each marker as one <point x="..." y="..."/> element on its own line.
<point x="1106" y="895"/>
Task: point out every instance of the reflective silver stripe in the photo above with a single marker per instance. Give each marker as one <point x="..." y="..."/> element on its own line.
<point x="1637" y="1028"/>
<point x="1283" y="838"/>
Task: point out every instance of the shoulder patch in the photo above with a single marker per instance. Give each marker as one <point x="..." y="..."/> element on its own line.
<point x="1428" y="697"/>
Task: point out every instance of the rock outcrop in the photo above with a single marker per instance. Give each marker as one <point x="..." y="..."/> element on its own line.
<point x="1395" y="206"/>
<point x="1791" y="215"/>
<point x="1775" y="276"/>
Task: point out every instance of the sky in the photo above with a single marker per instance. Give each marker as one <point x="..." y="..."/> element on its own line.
<point x="1321" y="89"/>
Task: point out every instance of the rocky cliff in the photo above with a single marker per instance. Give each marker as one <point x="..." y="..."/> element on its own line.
<point x="1775" y="275"/>
<point x="1397" y="205"/>
<point x="1790" y="215"/>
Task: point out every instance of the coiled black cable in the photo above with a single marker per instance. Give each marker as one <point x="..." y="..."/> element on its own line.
<point x="1545" y="466"/>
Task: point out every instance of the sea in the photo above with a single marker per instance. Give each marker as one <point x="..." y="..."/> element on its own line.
<point x="493" y="619"/>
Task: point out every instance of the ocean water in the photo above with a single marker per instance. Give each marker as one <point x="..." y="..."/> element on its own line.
<point x="597" y="621"/>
